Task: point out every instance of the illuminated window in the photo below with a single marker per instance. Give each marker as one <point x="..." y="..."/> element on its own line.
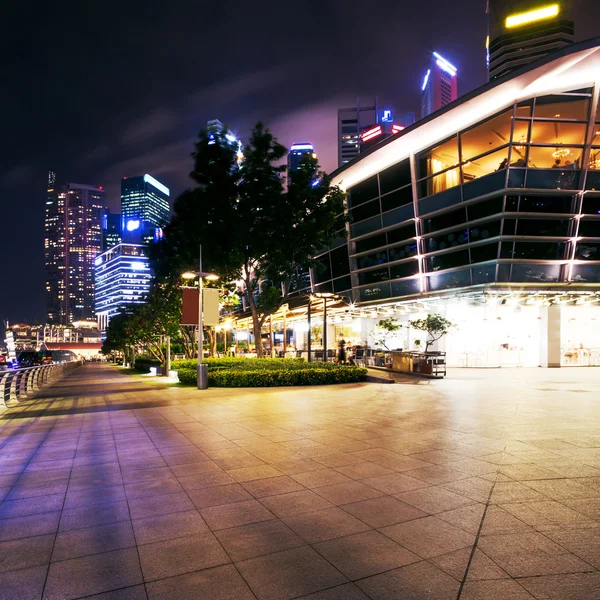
<point x="439" y="158"/>
<point x="562" y="107"/>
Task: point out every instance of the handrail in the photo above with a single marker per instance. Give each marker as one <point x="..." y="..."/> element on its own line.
<point x="18" y="383"/>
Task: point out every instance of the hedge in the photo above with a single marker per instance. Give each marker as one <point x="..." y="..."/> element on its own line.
<point x="143" y="363"/>
<point x="251" y="364"/>
<point x="271" y="377"/>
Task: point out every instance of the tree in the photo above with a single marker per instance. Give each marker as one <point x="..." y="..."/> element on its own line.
<point x="434" y="326"/>
<point x="384" y="331"/>
<point x="251" y="228"/>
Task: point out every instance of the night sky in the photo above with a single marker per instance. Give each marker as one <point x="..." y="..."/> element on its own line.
<point x="98" y="91"/>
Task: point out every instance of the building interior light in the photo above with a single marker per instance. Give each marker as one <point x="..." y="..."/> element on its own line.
<point x="546" y="12"/>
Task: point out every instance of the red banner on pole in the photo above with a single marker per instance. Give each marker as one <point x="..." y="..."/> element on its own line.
<point x="189" y="306"/>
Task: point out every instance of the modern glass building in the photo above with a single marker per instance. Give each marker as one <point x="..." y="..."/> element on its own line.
<point x="145" y="208"/>
<point x="487" y="211"/>
<point x="73" y="239"/>
<point x="123" y="277"/>
<point x="297" y="153"/>
<point x="111" y="230"/>
<point x="440" y="86"/>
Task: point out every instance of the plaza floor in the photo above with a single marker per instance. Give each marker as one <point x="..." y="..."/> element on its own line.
<point x="482" y="486"/>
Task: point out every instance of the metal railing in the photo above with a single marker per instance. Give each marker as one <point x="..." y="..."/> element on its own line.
<point x="18" y="383"/>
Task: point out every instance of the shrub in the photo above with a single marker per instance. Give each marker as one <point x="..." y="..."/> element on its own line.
<point x="143" y="363"/>
<point x="187" y="376"/>
<point x="251" y="364"/>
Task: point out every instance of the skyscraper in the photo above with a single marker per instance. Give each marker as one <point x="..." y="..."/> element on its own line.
<point x="439" y="85"/>
<point x="297" y="153"/>
<point x="111" y="230"/>
<point x="73" y="239"/>
<point x="145" y="208"/>
<point x="522" y="31"/>
<point x="351" y="123"/>
<point x="123" y="277"/>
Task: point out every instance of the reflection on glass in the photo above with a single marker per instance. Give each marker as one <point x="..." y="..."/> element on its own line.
<point x="405" y="269"/>
<point x="450" y="280"/>
<point x="403" y="250"/>
<point x="483" y="274"/>
<point x="560" y="179"/>
<point x="535" y="272"/>
<point x="539" y="250"/>
<point x="587" y="251"/>
<point x="590" y="273"/>
<point x="484" y="252"/>
<point x="373" y="276"/>
<point x="558" y="133"/>
<point x="406" y="287"/>
<point x="495" y="161"/>
<point x="486" y="136"/>
<point x="447" y="260"/>
<point x="374" y="292"/>
<point x="371" y="260"/>
<point x="562" y="107"/>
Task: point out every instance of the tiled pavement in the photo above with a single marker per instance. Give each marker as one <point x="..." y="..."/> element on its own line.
<point x="484" y="486"/>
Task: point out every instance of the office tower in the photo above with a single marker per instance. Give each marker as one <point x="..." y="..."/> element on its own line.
<point x="439" y="85"/>
<point x="111" y="230"/>
<point x="145" y="208"/>
<point x="123" y="277"/>
<point x="522" y="31"/>
<point x="351" y="123"/>
<point x="297" y="153"/>
<point x="215" y="126"/>
<point x="73" y="239"/>
<point x="389" y="124"/>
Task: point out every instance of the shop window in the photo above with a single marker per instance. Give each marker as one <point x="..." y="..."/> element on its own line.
<point x="373" y="276"/>
<point x="536" y="273"/>
<point x="484" y="231"/>
<point x="342" y="284"/>
<point x="439" y="158"/>
<point x="555" y="157"/>
<point x="439" y="183"/>
<point x="589" y="228"/>
<point x="397" y="198"/>
<point x="365" y="211"/>
<point x="404" y="250"/>
<point x="405" y="269"/>
<point x="398" y="215"/>
<point x="483" y="274"/>
<point x="520" y="135"/>
<point x="401" y="233"/>
<point x="587" y="251"/>
<point x="562" y="107"/>
<point x="484" y="165"/>
<point x="455" y="279"/>
<point x="591" y="205"/>
<point x="447" y="260"/>
<point x="588" y="273"/>
<point x="339" y="262"/>
<point x="445" y="220"/>
<point x="405" y="287"/>
<point x="374" y="292"/>
<point x="486" y="136"/>
<point x="369" y="243"/>
<point x="539" y="250"/>
<point x="594" y="163"/>
<point x="372" y="260"/>
<point x="363" y="191"/>
<point x="395" y="177"/>
<point x="322" y="269"/>
<point x="543" y="227"/>
<point x="484" y="252"/>
<point x="546" y="204"/>
<point x="448" y="240"/>
<point x="487" y="208"/>
<point x="558" y="133"/>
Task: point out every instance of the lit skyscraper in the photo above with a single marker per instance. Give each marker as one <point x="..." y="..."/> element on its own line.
<point x="439" y="85"/>
<point x="123" y="277"/>
<point x="297" y="153"/>
<point x="145" y="208"/>
<point x="111" y="230"/>
<point x="73" y="239"/>
<point x="522" y="31"/>
<point x="351" y="123"/>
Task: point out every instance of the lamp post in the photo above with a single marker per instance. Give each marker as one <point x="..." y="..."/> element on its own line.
<point x="202" y="373"/>
<point x="325" y="296"/>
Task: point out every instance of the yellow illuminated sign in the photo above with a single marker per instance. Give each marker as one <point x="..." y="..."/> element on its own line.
<point x="547" y="12"/>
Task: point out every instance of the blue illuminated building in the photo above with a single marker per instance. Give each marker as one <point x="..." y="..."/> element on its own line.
<point x="111" y="230"/>
<point x="439" y="85"/>
<point x="122" y="277"/>
<point x="297" y="153"/>
<point x="145" y="208"/>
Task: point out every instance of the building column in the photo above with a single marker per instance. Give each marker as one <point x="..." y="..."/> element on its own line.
<point x="553" y="335"/>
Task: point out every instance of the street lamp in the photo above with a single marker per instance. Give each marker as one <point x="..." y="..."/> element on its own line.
<point x="202" y="372"/>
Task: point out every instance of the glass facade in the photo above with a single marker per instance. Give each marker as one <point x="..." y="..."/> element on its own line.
<point x="123" y="277"/>
<point x="514" y="198"/>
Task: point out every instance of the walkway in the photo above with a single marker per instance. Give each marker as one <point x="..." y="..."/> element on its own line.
<point x="483" y="486"/>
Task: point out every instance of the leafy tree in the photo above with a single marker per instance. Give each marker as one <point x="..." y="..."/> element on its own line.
<point x="434" y="326"/>
<point x="251" y="228"/>
<point x="384" y="331"/>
